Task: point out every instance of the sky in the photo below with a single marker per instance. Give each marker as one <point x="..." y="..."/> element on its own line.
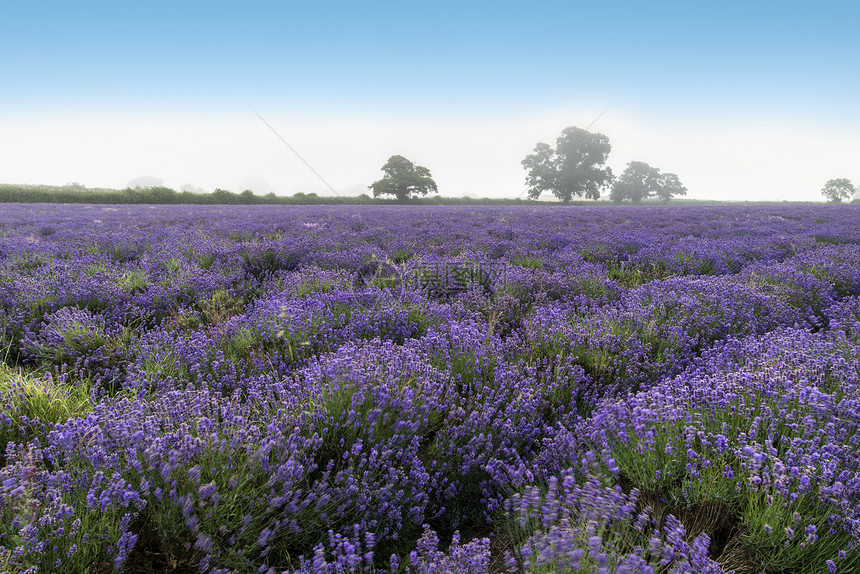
<point x="752" y="100"/>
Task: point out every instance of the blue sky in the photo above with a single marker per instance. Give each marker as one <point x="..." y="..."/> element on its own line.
<point x="724" y="94"/>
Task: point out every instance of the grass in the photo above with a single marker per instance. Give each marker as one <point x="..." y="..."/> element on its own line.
<point x="31" y="406"/>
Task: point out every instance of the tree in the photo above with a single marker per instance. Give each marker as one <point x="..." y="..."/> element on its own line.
<point x="639" y="181"/>
<point x="223" y="197"/>
<point x="161" y="194"/>
<point x="837" y="190"/>
<point x="574" y="167"/>
<point x="670" y="186"/>
<point x="247" y="197"/>
<point x="403" y="179"/>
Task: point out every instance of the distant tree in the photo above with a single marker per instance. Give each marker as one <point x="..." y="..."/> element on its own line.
<point x="639" y="181"/>
<point x="160" y="194"/>
<point x="574" y="167"/>
<point x="670" y="186"/>
<point x="247" y="197"/>
<point x="133" y="195"/>
<point x="837" y="190"/>
<point x="403" y="179"/>
<point x="223" y="197"/>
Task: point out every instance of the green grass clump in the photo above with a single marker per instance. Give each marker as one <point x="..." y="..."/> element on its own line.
<point x="528" y="261"/>
<point x="133" y="280"/>
<point x="220" y="306"/>
<point x="31" y="406"/>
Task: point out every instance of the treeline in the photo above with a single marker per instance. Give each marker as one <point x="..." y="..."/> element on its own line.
<point x="164" y="195"/>
<point x="12" y="193"/>
<point x="141" y="195"/>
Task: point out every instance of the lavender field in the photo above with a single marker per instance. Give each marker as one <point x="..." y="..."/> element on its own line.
<point x="429" y="389"/>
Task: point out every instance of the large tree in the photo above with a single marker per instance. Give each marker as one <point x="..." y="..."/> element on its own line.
<point x="639" y="181"/>
<point x="574" y="167"/>
<point x="403" y="179"/>
<point x="670" y="186"/>
<point x="837" y="190"/>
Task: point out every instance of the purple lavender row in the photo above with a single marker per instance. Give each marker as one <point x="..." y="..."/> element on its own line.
<point x="408" y="389"/>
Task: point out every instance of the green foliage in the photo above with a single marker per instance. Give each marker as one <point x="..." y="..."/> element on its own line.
<point x="129" y="195"/>
<point x="51" y="194"/>
<point x="247" y="197"/>
<point x="636" y="275"/>
<point x="206" y="260"/>
<point x="669" y="186"/>
<point x="401" y="255"/>
<point x="25" y="262"/>
<point x="317" y="285"/>
<point x="238" y="482"/>
<point x="161" y="364"/>
<point x="157" y="194"/>
<point x="261" y="264"/>
<point x="529" y="261"/>
<point x="640" y="181"/>
<point x="421" y="319"/>
<point x="403" y="179"/>
<point x="223" y="196"/>
<point x="470" y="375"/>
<point x="575" y="167"/>
<point x="75" y="338"/>
<point x="133" y="281"/>
<point x="220" y="306"/>
<point x="31" y="406"/>
<point x="838" y="190"/>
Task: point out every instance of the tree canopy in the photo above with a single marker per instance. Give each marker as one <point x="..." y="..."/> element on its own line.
<point x="639" y="181"/>
<point x="403" y="179"/>
<point x="838" y="190"/>
<point x="574" y="167"/>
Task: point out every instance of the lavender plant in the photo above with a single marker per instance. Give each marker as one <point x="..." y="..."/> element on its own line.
<point x="412" y="389"/>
